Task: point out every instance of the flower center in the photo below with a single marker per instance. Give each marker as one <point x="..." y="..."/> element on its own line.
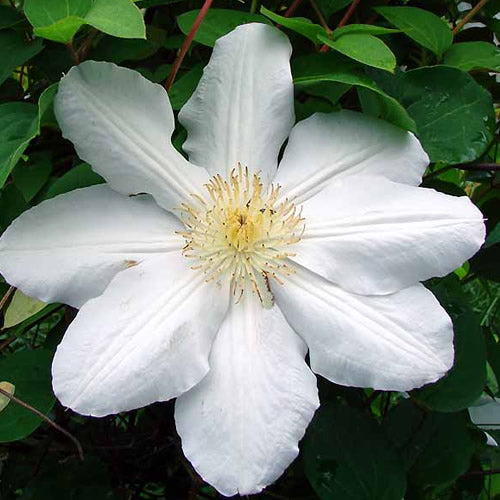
<point x="240" y="229"/>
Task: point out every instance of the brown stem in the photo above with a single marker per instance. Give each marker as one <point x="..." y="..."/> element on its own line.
<point x="474" y="167"/>
<point x="46" y="419"/>
<point x="483" y="167"/>
<point x="7" y="342"/>
<point x="348" y="14"/>
<point x="6" y="296"/>
<point x="73" y="52"/>
<point x="321" y="18"/>
<point x="469" y="15"/>
<point x="482" y="472"/>
<point x="187" y="44"/>
<point x="343" y="21"/>
<point x="290" y="11"/>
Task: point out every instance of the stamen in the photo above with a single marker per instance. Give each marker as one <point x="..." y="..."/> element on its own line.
<point x="239" y="229"/>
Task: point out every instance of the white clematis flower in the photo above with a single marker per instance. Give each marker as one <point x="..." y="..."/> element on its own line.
<point x="485" y="413"/>
<point x="212" y="286"/>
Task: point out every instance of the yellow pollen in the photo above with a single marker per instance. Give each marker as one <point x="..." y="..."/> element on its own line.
<point x="238" y="229"/>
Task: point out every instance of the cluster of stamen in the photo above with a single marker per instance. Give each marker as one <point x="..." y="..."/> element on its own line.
<point x="241" y="229"/>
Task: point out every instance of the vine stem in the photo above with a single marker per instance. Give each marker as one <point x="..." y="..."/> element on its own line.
<point x="343" y="21"/>
<point x="469" y="15"/>
<point x="6" y="296"/>
<point x="348" y="14"/>
<point x="474" y="167"/>
<point x="321" y="18"/>
<point x="46" y="419"/>
<point x="187" y="44"/>
<point x="295" y="5"/>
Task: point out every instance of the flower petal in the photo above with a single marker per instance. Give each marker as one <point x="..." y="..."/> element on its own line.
<point x="345" y="143"/>
<point x="486" y="414"/>
<point x="68" y="248"/>
<point x="241" y="424"/>
<point x="147" y="338"/>
<point x="242" y="110"/>
<point x="374" y="236"/>
<point x="391" y="342"/>
<point x="121" y="123"/>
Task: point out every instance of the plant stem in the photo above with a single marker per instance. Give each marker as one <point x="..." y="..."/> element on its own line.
<point x="73" y="53"/>
<point x="187" y="44"/>
<point x="6" y="296"/>
<point x="343" y="21"/>
<point x="348" y="14"/>
<point x="46" y="419"/>
<point x="321" y="18"/>
<point x="295" y="5"/>
<point x="469" y="15"/>
<point x="253" y="6"/>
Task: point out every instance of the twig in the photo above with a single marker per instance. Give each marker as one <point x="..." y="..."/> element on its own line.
<point x="187" y="44"/>
<point x="7" y="342"/>
<point x="46" y="419"/>
<point x="343" y="21"/>
<point x="481" y="167"/>
<point x="482" y="472"/>
<point x="469" y="15"/>
<point x="6" y="296"/>
<point x="348" y="14"/>
<point x="321" y="18"/>
<point x="290" y="11"/>
<point x="73" y="53"/>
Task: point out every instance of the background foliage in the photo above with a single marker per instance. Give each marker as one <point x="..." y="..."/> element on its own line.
<point x="428" y="66"/>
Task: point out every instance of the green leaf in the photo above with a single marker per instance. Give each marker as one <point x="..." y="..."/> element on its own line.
<point x="45" y="107"/>
<point x="454" y="114"/>
<point x="29" y="371"/>
<point x="15" y="51"/>
<point x="78" y="177"/>
<point x="30" y="179"/>
<point x="59" y="20"/>
<point x="183" y="87"/>
<point x="18" y="125"/>
<point x="20" y="122"/>
<point x="362" y="28"/>
<point x="485" y="262"/>
<point x="422" y="26"/>
<point x="21" y="307"/>
<point x="332" y="67"/>
<point x="347" y="456"/>
<point x="465" y="382"/>
<point x="216" y="23"/>
<point x="9" y="17"/>
<point x="300" y="25"/>
<point x="469" y="56"/>
<point x="436" y="448"/>
<point x="12" y="204"/>
<point x="329" y="7"/>
<point x="363" y="48"/>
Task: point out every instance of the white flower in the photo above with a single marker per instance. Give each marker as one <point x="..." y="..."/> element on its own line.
<point x="211" y="288"/>
<point x="485" y="413"/>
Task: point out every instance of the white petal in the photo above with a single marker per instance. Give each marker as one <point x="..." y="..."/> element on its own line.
<point x="242" y="110"/>
<point x="241" y="424"/>
<point x="374" y="236"/>
<point x="121" y="123"/>
<point x="325" y="146"/>
<point x="391" y="342"/>
<point x="486" y="414"/>
<point x="68" y="248"/>
<point x="147" y="338"/>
